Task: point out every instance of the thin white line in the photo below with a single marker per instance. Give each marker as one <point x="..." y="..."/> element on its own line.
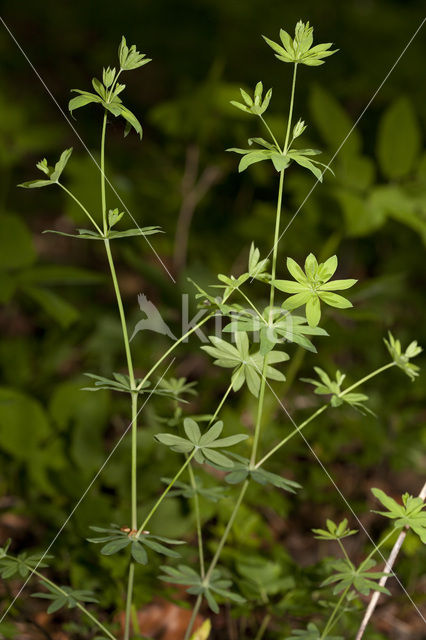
<point x="350" y="132"/>
<point x="392" y="573"/>
<point x="98" y="473"/>
<point x="84" y="145"/>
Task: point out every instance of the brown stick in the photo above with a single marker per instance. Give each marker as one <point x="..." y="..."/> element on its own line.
<point x="388" y="570"/>
<point x="193" y="191"/>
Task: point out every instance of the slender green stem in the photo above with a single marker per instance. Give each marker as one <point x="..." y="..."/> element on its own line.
<point x="259" y="414"/>
<point x="290" y="111"/>
<point x="342" y="547"/>
<point x="336" y="609"/>
<point x="121" y="312"/>
<point x="193" y="617"/>
<point x="64" y="593"/>
<point x="134" y="486"/>
<point x="129" y="599"/>
<point x="253" y="306"/>
<point x="165" y="492"/>
<point x="172" y="348"/>
<point x="103" y="196"/>
<point x="276" y="239"/>
<point x="265" y="361"/>
<point x="270" y="132"/>
<point x="81" y="205"/>
<point x="321" y="410"/>
<point x="370" y="375"/>
<point x="134" y="395"/>
<point x="198" y="521"/>
<point x="381" y="543"/>
<point x="291" y="435"/>
<point x="263" y="627"/>
<point x="227" y="530"/>
<point x="221" y="403"/>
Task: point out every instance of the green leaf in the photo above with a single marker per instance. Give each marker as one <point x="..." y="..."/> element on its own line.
<point x="192" y="430"/>
<point x="332" y="122"/>
<point x="16" y="243"/>
<point x="399" y="140"/>
<point x="82" y="100"/>
<point x="115" y="546"/>
<point x="139" y="554"/>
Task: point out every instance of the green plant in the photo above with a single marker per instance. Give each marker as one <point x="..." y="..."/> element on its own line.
<point x="275" y="326"/>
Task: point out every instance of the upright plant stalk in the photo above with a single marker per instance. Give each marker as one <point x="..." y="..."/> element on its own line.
<point x="273" y="270"/>
<point x="263" y="380"/>
<point x="134" y="394"/>
<point x="387" y="571"/>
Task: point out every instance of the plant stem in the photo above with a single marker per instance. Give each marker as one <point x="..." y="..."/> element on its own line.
<point x="221" y="403"/>
<point x="198" y="521"/>
<point x="271" y="304"/>
<point x="259" y="412"/>
<point x="276" y="239"/>
<point x="387" y="570"/>
<point x="134" y="462"/>
<point x="78" y="604"/>
<point x="321" y="410"/>
<point x="172" y="348"/>
<point x="370" y="375"/>
<point x="122" y="314"/>
<point x="336" y="609"/>
<point x="252" y="305"/>
<point x="290" y="435"/>
<point x="270" y="132"/>
<point x="129" y="599"/>
<point x="134" y="395"/>
<point x="165" y="492"/>
<point x="227" y="531"/>
<point x="193" y="617"/>
<point x="265" y="361"/>
<point x="81" y="205"/>
<point x="263" y="627"/>
<point x="103" y="197"/>
<point x="290" y="111"/>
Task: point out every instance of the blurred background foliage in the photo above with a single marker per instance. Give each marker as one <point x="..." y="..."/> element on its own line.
<point x="58" y="316"/>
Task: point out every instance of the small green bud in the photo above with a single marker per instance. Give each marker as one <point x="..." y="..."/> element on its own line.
<point x="114" y="216"/>
<point x="299" y="128"/>
<point x="108" y="76"/>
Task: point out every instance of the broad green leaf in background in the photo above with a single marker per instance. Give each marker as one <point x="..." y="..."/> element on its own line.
<point x="16" y="244"/>
<point x="399" y="140"/>
<point x="332" y="122"/>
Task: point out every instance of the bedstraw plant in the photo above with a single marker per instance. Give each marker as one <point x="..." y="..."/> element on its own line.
<point x="255" y="347"/>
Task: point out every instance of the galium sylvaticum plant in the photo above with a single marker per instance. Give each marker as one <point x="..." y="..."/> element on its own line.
<point x="256" y="344"/>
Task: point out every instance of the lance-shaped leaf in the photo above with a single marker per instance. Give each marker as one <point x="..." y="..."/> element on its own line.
<point x="326" y="386"/>
<point x="299" y="49"/>
<point x="115" y="539"/>
<point x="20" y="565"/>
<point x="311" y="632"/>
<point x="334" y="531"/>
<point x="313" y="286"/>
<point x="207" y="446"/>
<point x="247" y="367"/>
<point x="88" y="234"/>
<point x="54" y="173"/>
<point x="256" y="105"/>
<point x="215" y="585"/>
<point x="402" y="358"/>
<point x="275" y="327"/>
<point x="362" y="579"/>
<point x="212" y="494"/>
<point x="63" y="596"/>
<point x="411" y="513"/>
<point x="244" y="469"/>
<point x="129" y="57"/>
